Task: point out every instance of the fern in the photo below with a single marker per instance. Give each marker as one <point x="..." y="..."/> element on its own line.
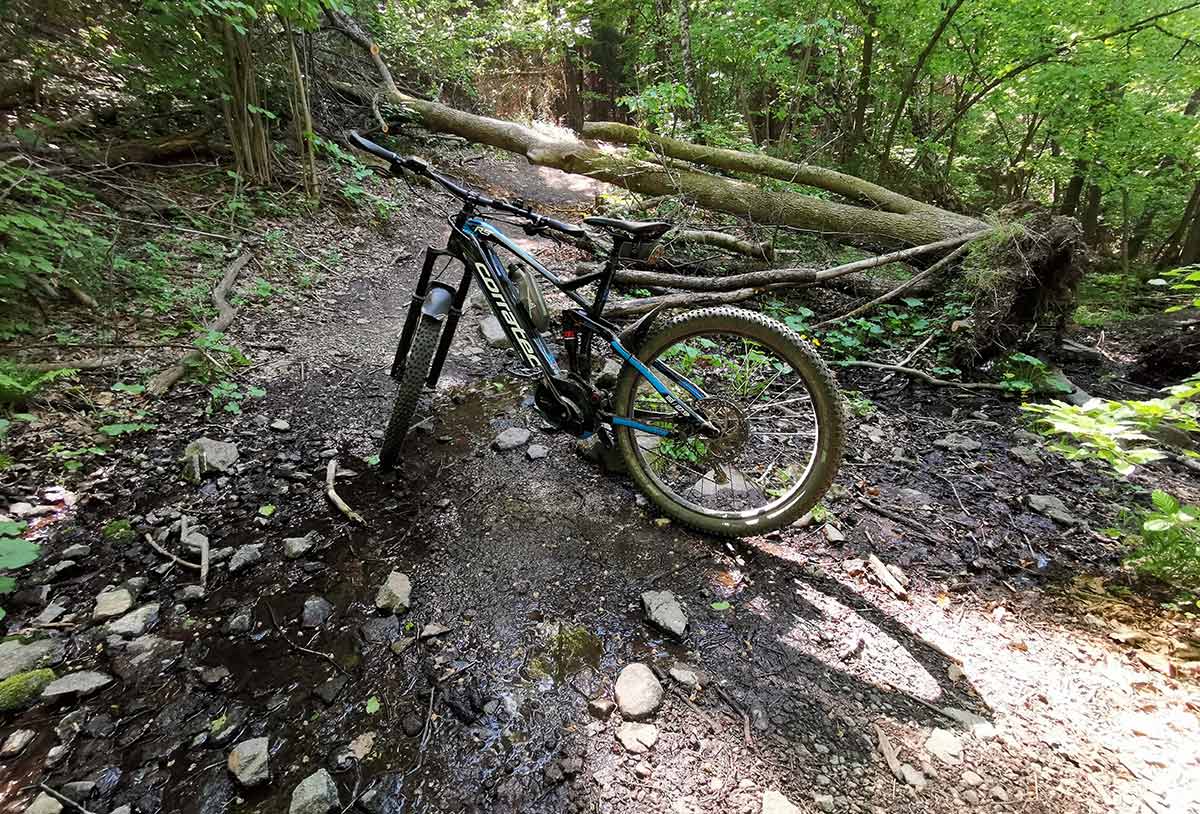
<point x="18" y="384"/>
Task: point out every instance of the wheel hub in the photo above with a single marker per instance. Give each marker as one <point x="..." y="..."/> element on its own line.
<point x="733" y="428"/>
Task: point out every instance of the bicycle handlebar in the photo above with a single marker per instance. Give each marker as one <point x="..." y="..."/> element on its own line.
<point x="419" y="167"/>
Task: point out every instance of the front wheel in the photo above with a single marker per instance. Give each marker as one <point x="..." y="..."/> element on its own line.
<point x="412" y="381"/>
<point x="777" y="424"/>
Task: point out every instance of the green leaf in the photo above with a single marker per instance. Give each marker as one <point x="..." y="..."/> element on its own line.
<point x="256" y="392"/>
<point x="720" y="606"/>
<point x="267" y="509"/>
<point x="16" y="552"/>
<point x="11" y="528"/>
<point x="372" y="705"/>
<point x="1164" y="502"/>
<point x="7" y="585"/>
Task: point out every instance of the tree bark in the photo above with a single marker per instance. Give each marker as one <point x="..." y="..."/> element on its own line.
<point x="689" y="61"/>
<point x="863" y="94"/>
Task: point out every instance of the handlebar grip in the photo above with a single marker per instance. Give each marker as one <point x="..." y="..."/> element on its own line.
<point x="566" y="228"/>
<point x="368" y="146"/>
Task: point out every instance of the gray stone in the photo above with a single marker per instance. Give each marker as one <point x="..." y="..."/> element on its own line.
<point x="244" y="556"/>
<point x="19" y="657"/>
<point x="493" y="334"/>
<point x="774" y="802"/>
<point x="685" y="675"/>
<point x="956" y="442"/>
<point x="81" y="683"/>
<point x="296" y="547"/>
<point x="608" y="375"/>
<point x="825" y="803"/>
<point x="59" y="568"/>
<point x="76" y="552"/>
<point x="240" y="622"/>
<point x="971" y="779"/>
<point x="79" y="790"/>
<point x="316" y="794"/>
<point x="382" y="630"/>
<point x="537" y="452"/>
<point x="190" y="593"/>
<point x="1052" y="507"/>
<point x="1026" y="455"/>
<point x="637" y="738"/>
<point x="205" y="456"/>
<point x="638" y="692"/>
<point x="999" y="793"/>
<point x="945" y="746"/>
<point x="317" y="611"/>
<point x="601" y="708"/>
<point x="280" y="425"/>
<point x="395" y="593"/>
<point x="511" y="438"/>
<point x="665" y="612"/>
<point x="136" y="622"/>
<point x="142" y="658"/>
<point x="249" y="762"/>
<point x="16" y="742"/>
<point x="912" y="776"/>
<point x="112" y="602"/>
<point x="44" y="804"/>
<point x="833" y="535"/>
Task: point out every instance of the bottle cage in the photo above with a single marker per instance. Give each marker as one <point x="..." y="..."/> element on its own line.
<point x="531" y="295"/>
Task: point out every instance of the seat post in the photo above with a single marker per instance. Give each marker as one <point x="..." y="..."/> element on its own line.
<point x="610" y="271"/>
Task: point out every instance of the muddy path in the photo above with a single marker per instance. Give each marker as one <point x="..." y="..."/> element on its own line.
<point x="994" y="683"/>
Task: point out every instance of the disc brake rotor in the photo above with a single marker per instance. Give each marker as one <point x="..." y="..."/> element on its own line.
<point x="733" y="425"/>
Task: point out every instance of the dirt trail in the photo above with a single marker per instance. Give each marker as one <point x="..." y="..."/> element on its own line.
<point x="995" y="682"/>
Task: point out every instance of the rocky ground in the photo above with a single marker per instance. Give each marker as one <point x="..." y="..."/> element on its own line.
<point x="510" y="628"/>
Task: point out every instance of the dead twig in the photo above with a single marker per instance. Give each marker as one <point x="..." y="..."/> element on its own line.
<point x="294" y="646"/>
<point x="923" y="376"/>
<point x="335" y="498"/>
<point x="62" y="798"/>
<point x="165" y="379"/>
<point x="150" y="542"/>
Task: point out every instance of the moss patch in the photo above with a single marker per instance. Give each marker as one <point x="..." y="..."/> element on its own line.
<point x="118" y="531"/>
<point x="22" y="689"/>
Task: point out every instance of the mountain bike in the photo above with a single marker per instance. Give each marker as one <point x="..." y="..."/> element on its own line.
<point x="725" y="418"/>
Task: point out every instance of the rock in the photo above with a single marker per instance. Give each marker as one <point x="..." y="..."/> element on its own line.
<point x="412" y="724"/>
<point x="328" y="692"/>
<point x="916" y="497"/>
<point x="76" y="552"/>
<point x="112" y="603"/>
<point x="316" y="794"/>
<point x="970" y="779"/>
<point x="143" y="658"/>
<point x="137" y="622"/>
<point x="825" y="803"/>
<point x="511" y="438"/>
<point x="433" y="629"/>
<point x="317" y="611"/>
<point x="382" y="630"/>
<point x="17" y="741"/>
<point x="832" y="535"/>
<point x="493" y="334"/>
<point x="395" y="593"/>
<point x="912" y="776"/>
<point x="240" y="622"/>
<point x="402" y="644"/>
<point x="79" y="790"/>
<point x="296" y="547"/>
<point x="190" y="593"/>
<point x="608" y="376"/>
<point x="945" y="746"/>
<point x="775" y="803"/>
<point x="44" y="804"/>
<point x="59" y="568"/>
<point x="244" y="556"/>
<point x="956" y="442"/>
<point x="685" y="675"/>
<point x="71" y="725"/>
<point x="601" y="708"/>
<point x="592" y="449"/>
<point x="204" y="456"/>
<point x="249" y="762"/>
<point x="537" y="452"/>
<point x="1052" y="507"/>
<point x="212" y="676"/>
<point x="637" y="738"/>
<point x="222" y="730"/>
<point x="998" y="793"/>
<point x="20" y="690"/>
<point x="1026" y="455"/>
<point x="665" y="612"/>
<point x="21" y="657"/>
<point x="980" y="727"/>
<point x="638" y="692"/>
<point x="279" y="425"/>
<point x="970" y="796"/>
<point x="79" y="684"/>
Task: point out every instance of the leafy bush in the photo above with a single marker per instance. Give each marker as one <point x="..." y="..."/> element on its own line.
<point x="18" y="384"/>
<point x="1169" y="542"/>
<point x="1120" y="432"/>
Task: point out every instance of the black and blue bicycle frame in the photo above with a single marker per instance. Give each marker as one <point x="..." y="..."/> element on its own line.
<point x="473" y="243"/>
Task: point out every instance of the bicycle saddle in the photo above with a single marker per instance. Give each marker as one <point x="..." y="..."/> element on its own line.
<point x="647" y="230"/>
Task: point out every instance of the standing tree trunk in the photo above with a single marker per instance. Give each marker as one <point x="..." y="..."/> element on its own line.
<point x="243" y="116"/>
<point x="302" y="117"/>
<point x="689" y="61"/>
<point x="885" y="148"/>
<point x="863" y="95"/>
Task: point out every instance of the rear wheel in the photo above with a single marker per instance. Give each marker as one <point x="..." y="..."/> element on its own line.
<point x="412" y="381"/>
<point x="777" y="419"/>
